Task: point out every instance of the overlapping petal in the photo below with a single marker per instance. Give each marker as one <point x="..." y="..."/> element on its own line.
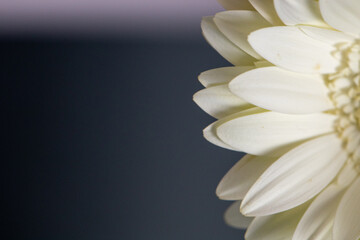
<point x="304" y="12"/>
<point x="223" y="45"/>
<point x="234" y="218"/>
<point x="292" y="49"/>
<point x="262" y="133"/>
<point x="283" y="91"/>
<point x="267" y="9"/>
<point x="222" y="75"/>
<point x="343" y="15"/>
<point x="308" y="168"/>
<point x="219" y="102"/>
<point x="277" y="226"/>
<point x="237" y="25"/>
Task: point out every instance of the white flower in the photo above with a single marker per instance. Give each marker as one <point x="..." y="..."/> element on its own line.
<point x="292" y="102"/>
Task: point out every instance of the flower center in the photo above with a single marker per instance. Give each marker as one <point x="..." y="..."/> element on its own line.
<point x="344" y="88"/>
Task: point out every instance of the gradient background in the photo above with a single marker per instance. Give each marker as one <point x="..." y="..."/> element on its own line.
<point x="102" y="136"/>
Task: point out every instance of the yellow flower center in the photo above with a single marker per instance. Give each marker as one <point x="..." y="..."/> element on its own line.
<point x="344" y="88"/>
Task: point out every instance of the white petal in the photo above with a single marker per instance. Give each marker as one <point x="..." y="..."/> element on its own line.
<point x="237" y="25"/>
<point x="296" y="177"/>
<point x="236" y="4"/>
<point x="219" y="102"/>
<point x="346" y="226"/>
<point x="259" y="134"/>
<point x="284" y="91"/>
<point x="210" y="131"/>
<point x="237" y="182"/>
<point x="267" y="9"/>
<point x="327" y="36"/>
<point x="280" y="226"/>
<point x="343" y="15"/>
<point x="223" y="45"/>
<point x="318" y="219"/>
<point x="292" y="49"/>
<point x="234" y="218"/>
<point x="299" y="12"/>
<point x="221" y="75"/>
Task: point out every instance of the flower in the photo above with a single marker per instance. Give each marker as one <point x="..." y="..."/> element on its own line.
<point x="292" y="103"/>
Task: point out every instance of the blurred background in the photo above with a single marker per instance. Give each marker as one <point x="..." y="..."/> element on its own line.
<point x="102" y="136"/>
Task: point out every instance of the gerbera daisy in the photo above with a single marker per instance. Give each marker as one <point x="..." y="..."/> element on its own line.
<point x="292" y="103"/>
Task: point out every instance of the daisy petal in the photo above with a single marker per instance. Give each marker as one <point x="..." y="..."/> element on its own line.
<point x="327" y="36"/>
<point x="236" y="4"/>
<point x="236" y="25"/>
<point x="223" y="45"/>
<point x="307" y="168"/>
<point x="259" y="134"/>
<point x="238" y="180"/>
<point x="299" y="12"/>
<point x="282" y="91"/>
<point x="277" y="226"/>
<point x="210" y="131"/>
<point x="318" y="219"/>
<point x="267" y="10"/>
<point x="292" y="49"/>
<point x="221" y="75"/>
<point x="234" y="218"/>
<point x="343" y="15"/>
<point x="219" y="102"/>
<point x="346" y="226"/>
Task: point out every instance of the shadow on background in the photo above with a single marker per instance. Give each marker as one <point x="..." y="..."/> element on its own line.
<point x="105" y="141"/>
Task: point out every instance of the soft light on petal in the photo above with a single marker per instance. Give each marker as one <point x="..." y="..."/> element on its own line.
<point x="210" y="133"/>
<point x="296" y="177"/>
<point x="259" y="134"/>
<point x="292" y="49"/>
<point x="343" y="15"/>
<point x="346" y="226"/>
<point x="222" y="75"/>
<point x="284" y="91"/>
<point x="237" y="182"/>
<point x="267" y="10"/>
<point x="237" y="25"/>
<point x="318" y="219"/>
<point x="223" y="45"/>
<point x="277" y="226"/>
<point x="299" y="12"/>
<point x="219" y="102"/>
<point x="327" y="36"/>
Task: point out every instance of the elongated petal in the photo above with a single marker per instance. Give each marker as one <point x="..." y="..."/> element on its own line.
<point x="222" y="75"/>
<point x="346" y="226"/>
<point x="223" y="45"/>
<point x="237" y="182"/>
<point x="234" y="218"/>
<point x="318" y="219"/>
<point x="328" y="36"/>
<point x="277" y="226"/>
<point x="299" y="12"/>
<point x="236" y="25"/>
<point x="236" y="4"/>
<point x="343" y="15"/>
<point x="267" y="10"/>
<point x="292" y="49"/>
<point x="296" y="177"/>
<point x="259" y="134"/>
<point x="210" y="131"/>
<point x="283" y="91"/>
<point x="219" y="102"/>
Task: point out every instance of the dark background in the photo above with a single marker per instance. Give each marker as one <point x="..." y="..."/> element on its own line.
<point x="103" y="140"/>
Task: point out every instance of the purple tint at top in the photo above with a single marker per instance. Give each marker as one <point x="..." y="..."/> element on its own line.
<point x="120" y="16"/>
